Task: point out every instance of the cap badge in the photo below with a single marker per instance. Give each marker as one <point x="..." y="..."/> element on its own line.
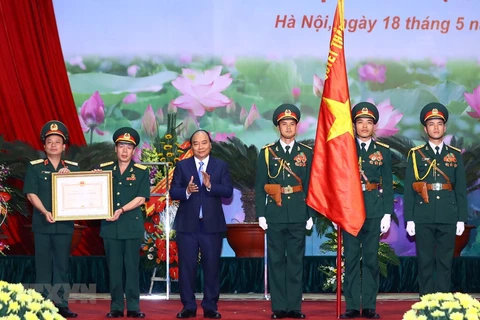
<point x="288" y="112"/>
<point x="126" y="135"/>
<point x="435" y="111"/>
<point x="53" y="127"/>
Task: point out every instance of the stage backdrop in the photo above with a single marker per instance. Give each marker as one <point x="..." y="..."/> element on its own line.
<point x="225" y="65"/>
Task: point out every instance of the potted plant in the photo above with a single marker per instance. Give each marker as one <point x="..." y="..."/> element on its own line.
<point x="246" y="239"/>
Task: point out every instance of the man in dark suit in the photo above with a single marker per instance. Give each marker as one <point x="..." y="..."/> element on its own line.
<point x="123" y="233"/>
<point x="52" y="239"/>
<point x="361" y="252"/>
<point x="200" y="183"/>
<point x="441" y="212"/>
<point x="285" y="165"/>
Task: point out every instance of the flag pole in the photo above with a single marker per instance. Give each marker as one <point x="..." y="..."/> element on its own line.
<point x="339" y="271"/>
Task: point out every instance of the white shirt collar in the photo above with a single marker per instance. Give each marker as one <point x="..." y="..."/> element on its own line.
<point x="283" y="144"/>
<point x="367" y="143"/>
<point x="432" y="145"/>
<point x="205" y="163"/>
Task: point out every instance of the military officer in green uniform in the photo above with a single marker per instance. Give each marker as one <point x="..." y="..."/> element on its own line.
<point x="283" y="173"/>
<point x="52" y="238"/>
<point x="361" y="252"/>
<point x="123" y="233"/>
<point x="435" y="215"/>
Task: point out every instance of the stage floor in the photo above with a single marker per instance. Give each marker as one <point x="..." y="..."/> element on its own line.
<point x="239" y="306"/>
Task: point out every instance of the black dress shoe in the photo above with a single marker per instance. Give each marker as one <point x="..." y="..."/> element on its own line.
<point x="370" y="314"/>
<point x="295" y="314"/>
<point x="115" y="314"/>
<point x="67" y="313"/>
<point x="279" y="314"/>
<point x="135" y="314"/>
<point x="185" y="313"/>
<point x="350" y="314"/>
<point x="212" y="314"/>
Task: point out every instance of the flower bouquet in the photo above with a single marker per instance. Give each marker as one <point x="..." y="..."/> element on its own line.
<point x="159" y="217"/>
<point x="443" y="306"/>
<point x="18" y="303"/>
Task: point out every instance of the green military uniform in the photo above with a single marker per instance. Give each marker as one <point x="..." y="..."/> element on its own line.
<point x="123" y="237"/>
<point x="361" y="252"/>
<point x="286" y="223"/>
<point x="435" y="221"/>
<point x="52" y="240"/>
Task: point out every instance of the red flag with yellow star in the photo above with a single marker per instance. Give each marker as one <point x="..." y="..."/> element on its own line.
<point x="335" y="190"/>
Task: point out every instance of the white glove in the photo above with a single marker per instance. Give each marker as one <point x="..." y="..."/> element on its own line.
<point x="262" y="222"/>
<point x="335" y="225"/>
<point x="385" y="223"/>
<point x="309" y="224"/>
<point x="410" y="228"/>
<point x="460" y="228"/>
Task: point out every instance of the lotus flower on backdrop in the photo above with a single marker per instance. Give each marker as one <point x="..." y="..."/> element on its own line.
<point x="189" y="125"/>
<point x="252" y="116"/>
<point x="132" y="70"/>
<point x="137" y="154"/>
<point x="202" y="90"/>
<point x="389" y="118"/>
<point x="185" y="58"/>
<point x="473" y="100"/>
<point x="439" y="62"/>
<point x="318" y="85"/>
<point x="231" y="107"/>
<point x="372" y="72"/>
<point x="130" y="98"/>
<point x="78" y="61"/>
<point x="222" y="136"/>
<point x="296" y="93"/>
<point x="149" y="123"/>
<point x="159" y="115"/>
<point x="243" y="114"/>
<point x="306" y="124"/>
<point x="229" y="61"/>
<point x="92" y="115"/>
<point x="172" y="108"/>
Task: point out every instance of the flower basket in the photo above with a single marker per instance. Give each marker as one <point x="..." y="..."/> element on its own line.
<point x="16" y="302"/>
<point x="443" y="306"/>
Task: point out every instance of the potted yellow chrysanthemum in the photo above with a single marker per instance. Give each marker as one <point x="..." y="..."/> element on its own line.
<point x="440" y="306"/>
<point x="18" y="303"/>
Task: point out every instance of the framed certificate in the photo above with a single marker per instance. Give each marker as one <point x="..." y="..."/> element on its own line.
<point x="82" y="195"/>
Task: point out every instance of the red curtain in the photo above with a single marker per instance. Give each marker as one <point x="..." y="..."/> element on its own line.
<point x="34" y="88"/>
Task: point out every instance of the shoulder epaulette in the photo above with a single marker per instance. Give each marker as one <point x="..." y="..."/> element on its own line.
<point x="305" y="145"/>
<point x="454" y="148"/>
<point x="71" y="162"/>
<point x="34" y="162"/>
<point x="106" y="164"/>
<point x="140" y="166"/>
<point x="417" y="147"/>
<point x="382" y="144"/>
<point x="268" y="145"/>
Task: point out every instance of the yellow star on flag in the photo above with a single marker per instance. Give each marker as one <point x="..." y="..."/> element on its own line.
<point x="343" y="120"/>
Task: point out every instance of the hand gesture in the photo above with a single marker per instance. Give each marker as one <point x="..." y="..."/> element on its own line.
<point x="262" y="222"/>
<point x="191" y="187"/>
<point x="64" y="170"/>
<point x="116" y="215"/>
<point x="410" y="228"/>
<point x="206" y="180"/>
<point x="49" y="217"/>
<point x="309" y="224"/>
